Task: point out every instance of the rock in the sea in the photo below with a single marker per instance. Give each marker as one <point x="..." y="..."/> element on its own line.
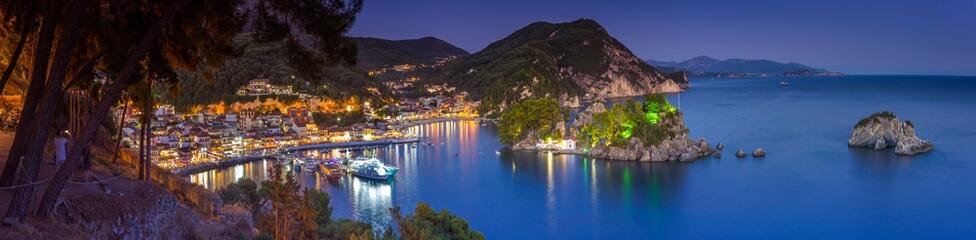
<point x="740" y="154"/>
<point x="882" y="130"/>
<point x="913" y="146"/>
<point x="719" y="146"/>
<point x="717" y="155"/>
<point x="759" y="152"/>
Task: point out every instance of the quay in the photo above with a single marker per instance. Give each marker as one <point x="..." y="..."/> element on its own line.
<point x="351" y="144"/>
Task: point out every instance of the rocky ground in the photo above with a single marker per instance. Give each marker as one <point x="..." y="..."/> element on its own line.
<point x="116" y="207"/>
<point x="882" y="130"/>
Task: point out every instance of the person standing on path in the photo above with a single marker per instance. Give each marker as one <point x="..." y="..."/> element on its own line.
<point x="60" y="148"/>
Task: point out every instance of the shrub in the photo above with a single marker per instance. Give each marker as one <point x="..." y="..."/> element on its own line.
<point x="875" y="118"/>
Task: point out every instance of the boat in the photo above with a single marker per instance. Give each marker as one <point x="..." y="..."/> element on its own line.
<point x="310" y="166"/>
<point x="498" y="152"/>
<point x="332" y="171"/>
<point x="372" y="169"/>
<point x="784" y="84"/>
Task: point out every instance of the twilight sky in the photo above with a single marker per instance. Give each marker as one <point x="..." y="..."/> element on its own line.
<point x="854" y="37"/>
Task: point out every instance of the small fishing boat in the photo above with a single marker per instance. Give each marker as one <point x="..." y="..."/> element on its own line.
<point x="784" y="84"/>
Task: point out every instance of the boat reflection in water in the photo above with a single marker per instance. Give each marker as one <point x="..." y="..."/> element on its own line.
<point x="371" y="200"/>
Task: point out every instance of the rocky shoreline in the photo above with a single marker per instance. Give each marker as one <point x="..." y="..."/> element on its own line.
<point x="882" y="130"/>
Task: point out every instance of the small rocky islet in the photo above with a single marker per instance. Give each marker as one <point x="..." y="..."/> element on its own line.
<point x="883" y="129"/>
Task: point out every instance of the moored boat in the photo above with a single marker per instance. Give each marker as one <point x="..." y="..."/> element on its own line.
<point x="372" y="169"/>
<point x="332" y="171"/>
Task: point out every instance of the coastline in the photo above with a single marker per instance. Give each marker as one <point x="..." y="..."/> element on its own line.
<point x="199" y="168"/>
<point x="409" y="124"/>
<point x="229" y="162"/>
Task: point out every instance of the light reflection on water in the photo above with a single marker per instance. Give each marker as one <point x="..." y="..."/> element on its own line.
<point x="810" y="185"/>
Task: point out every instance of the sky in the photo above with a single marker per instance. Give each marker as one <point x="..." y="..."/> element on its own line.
<point x="935" y="37"/>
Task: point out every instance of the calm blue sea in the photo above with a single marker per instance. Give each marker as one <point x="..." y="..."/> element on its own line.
<point x="809" y="186"/>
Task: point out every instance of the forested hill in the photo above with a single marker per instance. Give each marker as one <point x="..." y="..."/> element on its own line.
<point x="568" y="61"/>
<point x="375" y="53"/>
<point x="270" y="61"/>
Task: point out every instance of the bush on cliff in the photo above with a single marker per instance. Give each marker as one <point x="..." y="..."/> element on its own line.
<point x="875" y="118"/>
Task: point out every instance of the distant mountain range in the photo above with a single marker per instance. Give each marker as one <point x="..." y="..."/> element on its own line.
<point x="375" y="53"/>
<point x="569" y="61"/>
<point x="704" y="66"/>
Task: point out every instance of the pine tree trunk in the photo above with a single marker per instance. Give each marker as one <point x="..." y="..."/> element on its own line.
<point x="42" y="53"/>
<point x="145" y="153"/>
<point x="20" y="46"/>
<point x="112" y="95"/>
<point x="40" y="126"/>
<point x="118" y="137"/>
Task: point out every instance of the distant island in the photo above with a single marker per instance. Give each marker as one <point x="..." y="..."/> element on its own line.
<point x="704" y="66"/>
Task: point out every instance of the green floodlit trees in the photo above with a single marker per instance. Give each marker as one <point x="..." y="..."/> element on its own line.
<point x="537" y="116"/>
<point x="622" y="122"/>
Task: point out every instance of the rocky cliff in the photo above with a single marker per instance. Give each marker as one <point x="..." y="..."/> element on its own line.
<point x="882" y="130"/>
<point x="577" y="59"/>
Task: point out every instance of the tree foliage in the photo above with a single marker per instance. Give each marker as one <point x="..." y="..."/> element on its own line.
<point x="645" y="121"/>
<point x="293" y="214"/>
<point x="875" y="118"/>
<point x="425" y="223"/>
<point x="270" y="60"/>
<point x="244" y="191"/>
<point x="323" y="119"/>
<point x="531" y="118"/>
